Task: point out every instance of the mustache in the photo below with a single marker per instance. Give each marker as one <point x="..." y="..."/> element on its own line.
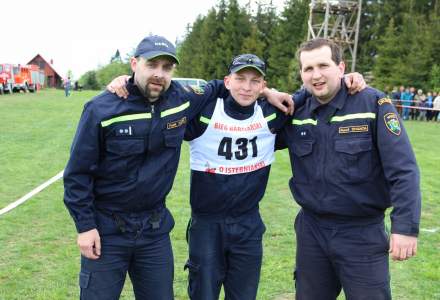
<point x="156" y="81"/>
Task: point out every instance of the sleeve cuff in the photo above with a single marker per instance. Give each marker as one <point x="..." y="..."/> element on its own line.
<point x="405" y="229"/>
<point x="85" y="225"/>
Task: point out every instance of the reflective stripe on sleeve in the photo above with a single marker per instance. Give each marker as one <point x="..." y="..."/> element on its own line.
<point x="271" y="117"/>
<point x="204" y="120"/>
<point x="174" y="110"/>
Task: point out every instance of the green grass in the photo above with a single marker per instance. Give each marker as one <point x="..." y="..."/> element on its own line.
<point x="39" y="257"/>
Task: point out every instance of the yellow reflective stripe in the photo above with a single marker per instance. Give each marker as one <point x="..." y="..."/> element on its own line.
<point x="304" y="122"/>
<point x="126" y="118"/>
<point x="353" y="116"/>
<point x="204" y="120"/>
<point x="174" y="110"/>
<point x="271" y="117"/>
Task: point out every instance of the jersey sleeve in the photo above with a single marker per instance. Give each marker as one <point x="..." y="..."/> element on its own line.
<point x="400" y="168"/>
<point x="78" y="174"/>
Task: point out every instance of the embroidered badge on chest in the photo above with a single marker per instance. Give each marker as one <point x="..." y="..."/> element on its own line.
<point x="177" y="123"/>
<point x="392" y="123"/>
<point x="353" y="129"/>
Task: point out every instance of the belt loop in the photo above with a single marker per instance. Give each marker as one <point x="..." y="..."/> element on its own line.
<point x="155" y="220"/>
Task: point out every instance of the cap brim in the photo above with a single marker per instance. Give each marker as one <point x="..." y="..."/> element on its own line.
<point x="154" y="54"/>
<point x="239" y="68"/>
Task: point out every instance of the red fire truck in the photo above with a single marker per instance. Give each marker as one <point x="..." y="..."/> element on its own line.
<point x="6" y="78"/>
<point x="15" y="78"/>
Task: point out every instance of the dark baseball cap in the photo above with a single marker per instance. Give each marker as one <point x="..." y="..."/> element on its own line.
<point x="153" y="46"/>
<point x="247" y="61"/>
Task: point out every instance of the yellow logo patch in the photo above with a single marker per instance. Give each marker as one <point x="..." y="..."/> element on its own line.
<point x="353" y="129"/>
<point x="175" y="124"/>
<point x="384" y="100"/>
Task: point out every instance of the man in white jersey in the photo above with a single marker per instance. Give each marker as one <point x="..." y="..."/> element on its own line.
<point x="232" y="148"/>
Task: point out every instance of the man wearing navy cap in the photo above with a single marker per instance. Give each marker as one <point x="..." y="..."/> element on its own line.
<point x="123" y="161"/>
<point x="232" y="148"/>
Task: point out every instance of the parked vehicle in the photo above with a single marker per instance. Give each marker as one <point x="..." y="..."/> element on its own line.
<point x="195" y="83"/>
<point x="6" y="78"/>
<point x="15" y="78"/>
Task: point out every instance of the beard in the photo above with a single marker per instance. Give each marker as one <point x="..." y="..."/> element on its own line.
<point x="153" y="93"/>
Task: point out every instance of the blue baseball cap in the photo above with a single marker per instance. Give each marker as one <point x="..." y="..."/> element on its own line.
<point x="247" y="61"/>
<point x="153" y="46"/>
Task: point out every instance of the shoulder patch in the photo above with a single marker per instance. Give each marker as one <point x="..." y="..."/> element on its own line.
<point x="392" y="123"/>
<point x="197" y="90"/>
<point x="384" y="100"/>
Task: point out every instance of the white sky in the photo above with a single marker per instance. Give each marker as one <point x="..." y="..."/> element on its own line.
<point x="79" y="35"/>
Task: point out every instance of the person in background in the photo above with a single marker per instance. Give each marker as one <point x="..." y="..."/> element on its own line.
<point x="67" y="86"/>
<point x="395" y="97"/>
<point x="436" y="106"/>
<point x="429" y="104"/>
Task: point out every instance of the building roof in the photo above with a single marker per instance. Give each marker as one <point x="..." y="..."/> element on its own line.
<point x="47" y="63"/>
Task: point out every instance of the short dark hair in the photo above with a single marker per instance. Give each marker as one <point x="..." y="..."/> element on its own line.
<point x="318" y="43"/>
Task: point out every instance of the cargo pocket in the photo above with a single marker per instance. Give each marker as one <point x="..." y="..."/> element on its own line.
<point x="123" y="157"/>
<point x="295" y="275"/>
<point x="193" y="277"/>
<point x="303" y="164"/>
<point x="354" y="159"/>
<point x="84" y="280"/>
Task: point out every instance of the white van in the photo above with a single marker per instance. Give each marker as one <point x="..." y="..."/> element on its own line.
<point x="192" y="82"/>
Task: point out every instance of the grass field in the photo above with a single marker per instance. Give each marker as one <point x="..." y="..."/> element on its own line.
<point x="38" y="255"/>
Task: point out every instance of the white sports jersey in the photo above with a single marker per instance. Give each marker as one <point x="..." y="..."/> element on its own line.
<point x="229" y="146"/>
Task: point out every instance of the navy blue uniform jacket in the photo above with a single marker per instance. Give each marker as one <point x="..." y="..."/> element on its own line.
<point x="125" y="154"/>
<point x="352" y="159"/>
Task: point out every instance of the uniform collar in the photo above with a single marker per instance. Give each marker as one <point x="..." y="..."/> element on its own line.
<point x="337" y="102"/>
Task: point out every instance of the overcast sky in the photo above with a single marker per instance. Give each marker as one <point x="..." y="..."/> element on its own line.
<point x="79" y="35"/>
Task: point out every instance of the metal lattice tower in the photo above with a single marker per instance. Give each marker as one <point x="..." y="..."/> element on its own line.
<point x="338" y="20"/>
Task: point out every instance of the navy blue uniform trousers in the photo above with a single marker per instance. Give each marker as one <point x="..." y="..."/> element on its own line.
<point x="137" y="243"/>
<point x="225" y="251"/>
<point x="332" y="255"/>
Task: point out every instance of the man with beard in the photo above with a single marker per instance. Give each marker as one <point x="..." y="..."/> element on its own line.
<point x="123" y="162"/>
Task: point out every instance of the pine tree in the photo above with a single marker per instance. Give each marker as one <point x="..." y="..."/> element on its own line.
<point x="387" y="63"/>
<point x="252" y="43"/>
<point x="266" y="21"/>
<point x="190" y="51"/>
<point x="116" y="58"/>
<point x="237" y="26"/>
<point x="289" y="33"/>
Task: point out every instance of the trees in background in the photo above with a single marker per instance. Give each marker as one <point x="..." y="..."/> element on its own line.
<point x="399" y="43"/>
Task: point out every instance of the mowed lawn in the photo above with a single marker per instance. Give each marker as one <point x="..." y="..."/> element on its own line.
<point x="39" y="258"/>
